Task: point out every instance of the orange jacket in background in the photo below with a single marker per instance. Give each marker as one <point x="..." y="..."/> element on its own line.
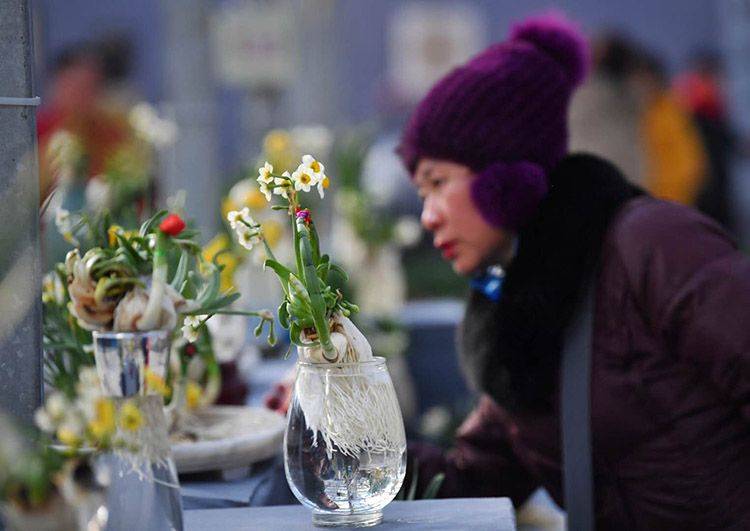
<point x="675" y="157"/>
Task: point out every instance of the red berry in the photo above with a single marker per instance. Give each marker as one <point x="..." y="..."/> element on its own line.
<point x="172" y="225"/>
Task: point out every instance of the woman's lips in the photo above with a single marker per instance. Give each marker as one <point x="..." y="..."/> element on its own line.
<point x="448" y="250"/>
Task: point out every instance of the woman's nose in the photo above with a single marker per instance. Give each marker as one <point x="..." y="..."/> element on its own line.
<point x="430" y="216"/>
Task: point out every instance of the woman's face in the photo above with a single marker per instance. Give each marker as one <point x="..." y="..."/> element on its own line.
<point x="459" y="230"/>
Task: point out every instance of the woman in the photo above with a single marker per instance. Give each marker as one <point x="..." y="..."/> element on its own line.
<point x="670" y="382"/>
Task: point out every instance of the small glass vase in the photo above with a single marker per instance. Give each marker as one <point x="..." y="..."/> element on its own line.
<point x="144" y="491"/>
<point x="345" y="446"/>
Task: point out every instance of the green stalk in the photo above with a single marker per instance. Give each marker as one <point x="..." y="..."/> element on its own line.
<point x="297" y="256"/>
<point x="312" y="283"/>
<point x="150" y="318"/>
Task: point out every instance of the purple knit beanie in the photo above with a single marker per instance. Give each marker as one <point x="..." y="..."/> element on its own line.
<point x="504" y="115"/>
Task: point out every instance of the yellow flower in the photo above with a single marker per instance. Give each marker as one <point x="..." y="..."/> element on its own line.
<point x="277" y="142"/>
<point x="103" y="424"/>
<point x="227" y="205"/>
<point x="68" y="436"/>
<point x="272" y="232"/>
<point x="154" y="382"/>
<point x="255" y="199"/>
<point x="111" y="234"/>
<point x="228" y="260"/>
<point x="217" y="244"/>
<point x="130" y="416"/>
<point x="193" y="395"/>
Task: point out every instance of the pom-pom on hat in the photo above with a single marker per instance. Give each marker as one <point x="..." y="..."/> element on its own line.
<point x="504" y="115"/>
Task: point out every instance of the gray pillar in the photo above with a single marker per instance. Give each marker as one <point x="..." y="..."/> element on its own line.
<point x="20" y="300"/>
<point x="191" y="164"/>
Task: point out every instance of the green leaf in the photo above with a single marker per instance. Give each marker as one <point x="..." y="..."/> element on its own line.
<point x="126" y="248"/>
<point x="294" y="333"/>
<point x="312" y="283"/>
<point x="156" y="218"/>
<point x="283" y="313"/>
<point x="340" y="271"/>
<point x="281" y="271"/>
<point x="181" y="273"/>
<point x="271" y="333"/>
<point x="299" y="296"/>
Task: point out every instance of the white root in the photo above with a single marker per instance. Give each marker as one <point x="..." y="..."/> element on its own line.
<point x="351" y="409"/>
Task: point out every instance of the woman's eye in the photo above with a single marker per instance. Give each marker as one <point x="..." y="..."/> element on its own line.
<point x="436" y="183"/>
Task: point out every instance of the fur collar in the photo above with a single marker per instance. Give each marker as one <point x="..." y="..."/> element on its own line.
<point x="511" y="348"/>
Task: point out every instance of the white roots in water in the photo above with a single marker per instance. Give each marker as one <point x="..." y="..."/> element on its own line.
<point x="353" y="409"/>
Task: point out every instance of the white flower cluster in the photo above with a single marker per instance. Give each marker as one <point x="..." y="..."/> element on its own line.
<point x="190" y="327"/>
<point x="309" y="174"/>
<point x="247" y="230"/>
<point x="70" y="419"/>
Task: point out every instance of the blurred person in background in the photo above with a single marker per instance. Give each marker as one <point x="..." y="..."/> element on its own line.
<point x="534" y="226"/>
<point x="604" y="112"/>
<point x="700" y="91"/>
<point x="675" y="158"/>
<point x="76" y="81"/>
<point x="80" y="77"/>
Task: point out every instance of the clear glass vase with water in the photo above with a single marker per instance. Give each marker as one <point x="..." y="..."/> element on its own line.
<point x="144" y="490"/>
<point x="345" y="446"/>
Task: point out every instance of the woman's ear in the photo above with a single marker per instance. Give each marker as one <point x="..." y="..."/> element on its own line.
<point x="508" y="194"/>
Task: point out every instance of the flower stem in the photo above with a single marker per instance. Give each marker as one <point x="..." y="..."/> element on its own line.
<point x="150" y="318"/>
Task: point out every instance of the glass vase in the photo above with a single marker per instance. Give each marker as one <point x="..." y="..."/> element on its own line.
<point x="345" y="446"/>
<point x="144" y="491"/>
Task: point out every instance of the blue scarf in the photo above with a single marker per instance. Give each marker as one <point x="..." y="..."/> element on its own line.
<point x="491" y="283"/>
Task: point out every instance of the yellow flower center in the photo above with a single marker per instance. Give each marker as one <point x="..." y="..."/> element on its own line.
<point x="112" y="234"/>
<point x="192" y="395"/>
<point x="305" y="178"/>
<point x="156" y="383"/>
<point x="326" y="182"/>
<point x="315" y="166"/>
<point x="130" y="417"/>
<point x="68" y="437"/>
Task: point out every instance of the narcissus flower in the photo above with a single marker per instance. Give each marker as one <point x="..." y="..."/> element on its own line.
<point x="309" y="162"/>
<point x="283" y="185"/>
<point x="247" y="237"/>
<point x="131" y="418"/>
<point x="190" y="328"/>
<point x="323" y="183"/>
<point x="265" y="173"/>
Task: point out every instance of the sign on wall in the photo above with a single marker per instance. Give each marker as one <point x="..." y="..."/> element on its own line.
<point x="426" y="40"/>
<point x="253" y="43"/>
